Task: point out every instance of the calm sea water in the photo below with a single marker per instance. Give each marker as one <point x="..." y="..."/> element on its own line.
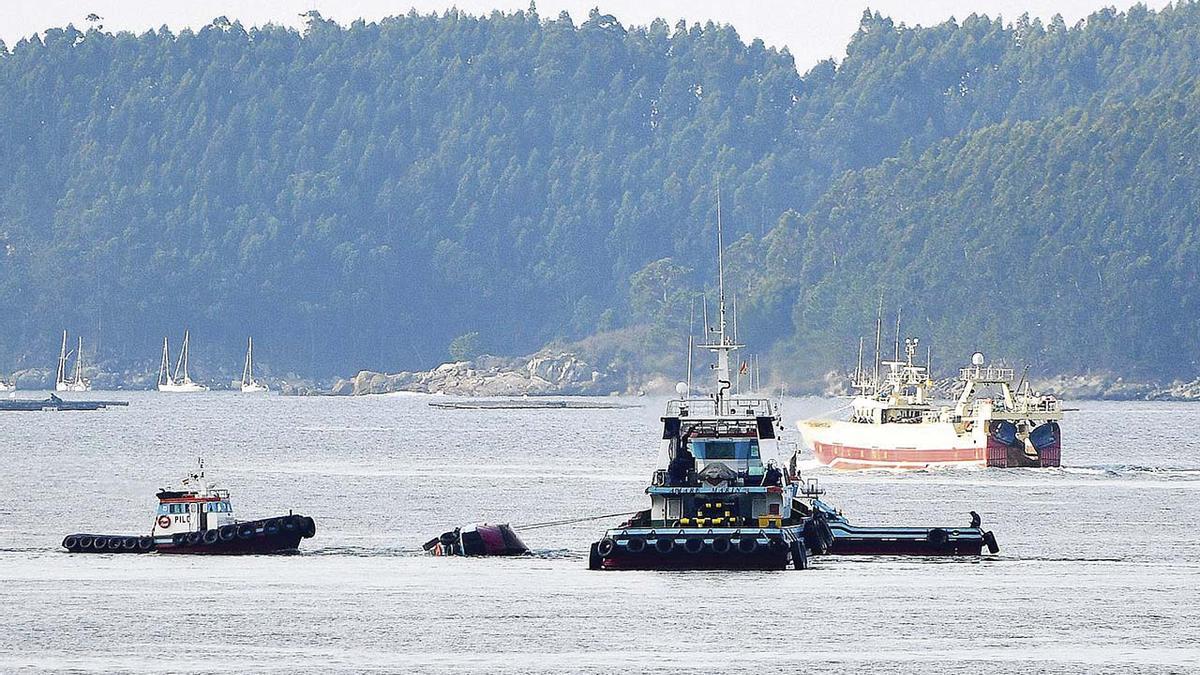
<point x="1099" y="568"/>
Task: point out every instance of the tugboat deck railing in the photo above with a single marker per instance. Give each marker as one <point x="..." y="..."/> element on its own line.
<point x="734" y="407"/>
<point x="725" y="489"/>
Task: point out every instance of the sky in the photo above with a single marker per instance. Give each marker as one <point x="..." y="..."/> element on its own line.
<point x="811" y="29"/>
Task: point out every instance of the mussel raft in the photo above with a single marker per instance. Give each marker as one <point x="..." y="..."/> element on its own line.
<point x="199" y="520"/>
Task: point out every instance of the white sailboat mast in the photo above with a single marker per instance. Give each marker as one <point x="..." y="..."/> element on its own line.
<point x="181" y="364"/>
<point x="62" y="361"/>
<point x="164" y="370"/>
<point x="248" y="369"/>
<point x="79" y="362"/>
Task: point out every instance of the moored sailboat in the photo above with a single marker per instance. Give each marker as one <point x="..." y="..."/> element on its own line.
<point x="179" y="382"/>
<point x="249" y="384"/>
<point x="76" y="382"/>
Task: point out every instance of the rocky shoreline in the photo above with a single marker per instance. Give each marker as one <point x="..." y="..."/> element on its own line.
<point x="552" y="372"/>
<point x="537" y="375"/>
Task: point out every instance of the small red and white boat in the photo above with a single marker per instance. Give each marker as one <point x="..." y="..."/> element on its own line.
<point x="199" y="519"/>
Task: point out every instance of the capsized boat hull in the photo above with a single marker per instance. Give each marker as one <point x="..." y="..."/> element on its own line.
<point x="268" y="535"/>
<point x="700" y="549"/>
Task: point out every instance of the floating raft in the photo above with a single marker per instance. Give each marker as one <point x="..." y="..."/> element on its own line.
<point x="526" y="404"/>
<point x="54" y="403"/>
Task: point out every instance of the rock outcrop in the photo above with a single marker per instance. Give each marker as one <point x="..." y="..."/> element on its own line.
<point x="541" y="374"/>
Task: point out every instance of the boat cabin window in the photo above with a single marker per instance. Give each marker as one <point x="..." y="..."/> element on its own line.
<point x="725" y="449"/>
<point x="172" y="509"/>
<point x="217" y="507"/>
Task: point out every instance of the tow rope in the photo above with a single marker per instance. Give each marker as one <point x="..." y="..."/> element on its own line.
<point x="569" y="521"/>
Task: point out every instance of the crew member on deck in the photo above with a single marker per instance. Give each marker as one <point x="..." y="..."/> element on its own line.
<point x="772" y="476"/>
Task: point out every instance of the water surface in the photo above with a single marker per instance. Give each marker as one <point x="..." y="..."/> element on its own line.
<point x="1098" y="570"/>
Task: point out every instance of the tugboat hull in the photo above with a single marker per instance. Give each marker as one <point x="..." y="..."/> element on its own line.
<point x="269" y="535"/>
<point x="696" y="549"/>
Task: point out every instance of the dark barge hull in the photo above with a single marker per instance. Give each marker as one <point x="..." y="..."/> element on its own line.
<point x="269" y="535"/>
<point x="696" y="549"/>
<point x="920" y="541"/>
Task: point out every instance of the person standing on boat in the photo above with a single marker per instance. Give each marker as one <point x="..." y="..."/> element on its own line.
<point x="772" y="476"/>
<point x="683" y="463"/>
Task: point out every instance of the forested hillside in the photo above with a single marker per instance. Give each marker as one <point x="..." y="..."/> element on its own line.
<point x="360" y="196"/>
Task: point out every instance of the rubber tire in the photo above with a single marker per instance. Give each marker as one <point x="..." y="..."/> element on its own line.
<point x="721" y="545"/>
<point x="777" y="545"/>
<point x="99" y="543"/>
<point x="227" y="533"/>
<point x="937" y="537"/>
<point x="245" y="531"/>
<point x="693" y="546"/>
<point x="70" y="542"/>
<point x="145" y="544"/>
<point x="211" y="537"/>
<point x="193" y="538"/>
<point x="605" y="547"/>
<point x="114" y="543"/>
<point x="291" y="523"/>
<point x="271" y="527"/>
<point x="665" y="546"/>
<point x="636" y="545"/>
<point x="826" y="533"/>
<point x="989" y="540"/>
<point x="747" y="546"/>
<point x="799" y="556"/>
<point x="86" y="543"/>
<point x="310" y="528"/>
<point x="595" y="560"/>
<point x="129" y="544"/>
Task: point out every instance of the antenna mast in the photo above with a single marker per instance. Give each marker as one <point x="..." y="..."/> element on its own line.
<point x="899" y="311"/>
<point x="878" y="335"/>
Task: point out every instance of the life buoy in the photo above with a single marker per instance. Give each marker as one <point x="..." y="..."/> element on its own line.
<point x="164" y="522"/>
<point x="606" y="547"/>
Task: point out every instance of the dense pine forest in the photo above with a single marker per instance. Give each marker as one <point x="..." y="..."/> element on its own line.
<point x="363" y="195"/>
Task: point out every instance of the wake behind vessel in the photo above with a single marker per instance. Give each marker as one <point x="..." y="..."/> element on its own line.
<point x="894" y="424"/>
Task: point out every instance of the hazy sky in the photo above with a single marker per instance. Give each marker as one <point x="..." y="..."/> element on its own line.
<point x="811" y="29"/>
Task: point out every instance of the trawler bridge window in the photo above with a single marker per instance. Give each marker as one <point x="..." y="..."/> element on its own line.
<point x="725" y="449"/>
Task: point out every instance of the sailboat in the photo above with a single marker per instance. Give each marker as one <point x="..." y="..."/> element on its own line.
<point x="249" y="384"/>
<point x="76" y="383"/>
<point x="179" y="382"/>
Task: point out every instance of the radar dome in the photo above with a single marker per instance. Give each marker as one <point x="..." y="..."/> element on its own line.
<point x="977" y="359"/>
<point x="681" y="389"/>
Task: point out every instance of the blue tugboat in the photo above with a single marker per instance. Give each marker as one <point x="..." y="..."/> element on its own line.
<point x="198" y="519"/>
